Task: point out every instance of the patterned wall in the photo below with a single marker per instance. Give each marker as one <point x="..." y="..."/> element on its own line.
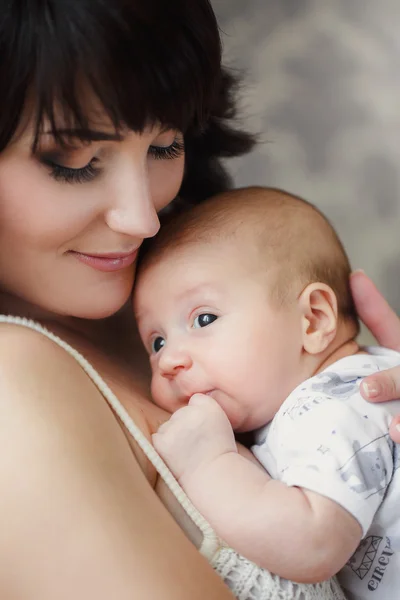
<point x="322" y="85"/>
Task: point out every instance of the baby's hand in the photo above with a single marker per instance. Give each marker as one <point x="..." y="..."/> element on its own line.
<point x="194" y="436"/>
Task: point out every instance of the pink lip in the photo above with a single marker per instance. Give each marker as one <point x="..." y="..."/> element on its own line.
<point x="107" y="262"/>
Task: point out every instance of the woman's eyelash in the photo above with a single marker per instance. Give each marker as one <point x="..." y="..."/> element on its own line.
<point x="90" y="171"/>
<point x="68" y="175"/>
<point x="175" y="150"/>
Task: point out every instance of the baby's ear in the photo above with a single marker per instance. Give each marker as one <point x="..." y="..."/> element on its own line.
<point x="318" y="306"/>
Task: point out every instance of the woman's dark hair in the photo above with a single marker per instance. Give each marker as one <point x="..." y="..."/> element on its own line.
<point x="146" y="61"/>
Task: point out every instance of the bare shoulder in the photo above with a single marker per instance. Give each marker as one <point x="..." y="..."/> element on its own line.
<point x="35" y="366"/>
<point x="39" y="379"/>
<point x="23" y="348"/>
<point x="73" y="497"/>
<point x="42" y="384"/>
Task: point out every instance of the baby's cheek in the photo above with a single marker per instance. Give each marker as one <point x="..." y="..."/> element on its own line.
<point x="162" y="394"/>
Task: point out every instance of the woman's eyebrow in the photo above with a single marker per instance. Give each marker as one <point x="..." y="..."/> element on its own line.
<point x="89" y="135"/>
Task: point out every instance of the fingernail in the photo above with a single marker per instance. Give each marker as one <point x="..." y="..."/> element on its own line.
<point x="372" y="389"/>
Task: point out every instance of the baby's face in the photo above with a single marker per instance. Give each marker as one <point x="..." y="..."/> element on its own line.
<point x="204" y="317"/>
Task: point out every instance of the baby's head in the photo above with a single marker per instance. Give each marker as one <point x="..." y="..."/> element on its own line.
<point x="242" y="297"/>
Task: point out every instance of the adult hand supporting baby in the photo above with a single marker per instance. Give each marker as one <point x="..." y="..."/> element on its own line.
<point x="384" y="324"/>
<point x="194" y="436"/>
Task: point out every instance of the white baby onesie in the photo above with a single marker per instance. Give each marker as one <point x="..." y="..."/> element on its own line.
<point x="328" y="439"/>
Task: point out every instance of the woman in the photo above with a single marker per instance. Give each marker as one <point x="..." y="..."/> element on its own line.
<point x="108" y="111"/>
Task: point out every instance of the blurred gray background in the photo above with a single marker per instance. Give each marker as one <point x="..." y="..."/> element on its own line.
<point x="321" y="83"/>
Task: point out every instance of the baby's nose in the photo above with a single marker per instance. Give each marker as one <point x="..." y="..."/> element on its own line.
<point x="174" y="361"/>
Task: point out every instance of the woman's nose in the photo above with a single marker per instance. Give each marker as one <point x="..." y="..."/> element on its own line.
<point x="131" y="210"/>
<point x="174" y="361"/>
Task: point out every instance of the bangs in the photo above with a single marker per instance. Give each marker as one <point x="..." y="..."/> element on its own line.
<point x="148" y="62"/>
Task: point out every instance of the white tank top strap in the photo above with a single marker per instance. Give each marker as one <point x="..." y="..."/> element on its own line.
<point x="211" y="542"/>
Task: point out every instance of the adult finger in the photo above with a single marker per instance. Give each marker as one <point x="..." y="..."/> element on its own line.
<point x="382" y="386"/>
<point x="374" y="311"/>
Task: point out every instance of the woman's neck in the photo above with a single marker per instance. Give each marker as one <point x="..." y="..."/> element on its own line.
<point x="112" y="335"/>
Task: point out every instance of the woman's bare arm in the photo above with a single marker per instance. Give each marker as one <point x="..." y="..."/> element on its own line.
<point x="384" y="324"/>
<point x="79" y="519"/>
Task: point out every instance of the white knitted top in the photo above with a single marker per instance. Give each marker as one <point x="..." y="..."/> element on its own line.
<point x="246" y="580"/>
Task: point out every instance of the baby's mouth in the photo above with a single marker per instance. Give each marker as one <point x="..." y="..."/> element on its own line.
<point x="185" y="397"/>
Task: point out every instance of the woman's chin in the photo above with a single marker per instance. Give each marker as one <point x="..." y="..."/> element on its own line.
<point x="98" y="307"/>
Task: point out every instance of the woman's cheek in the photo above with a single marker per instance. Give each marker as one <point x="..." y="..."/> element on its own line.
<point x="165" y="178"/>
<point x="38" y="209"/>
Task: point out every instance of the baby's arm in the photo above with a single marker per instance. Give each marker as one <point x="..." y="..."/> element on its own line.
<point x="292" y="532"/>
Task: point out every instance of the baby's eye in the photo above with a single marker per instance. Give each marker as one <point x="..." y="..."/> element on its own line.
<point x="157" y="344"/>
<point x="204" y="320"/>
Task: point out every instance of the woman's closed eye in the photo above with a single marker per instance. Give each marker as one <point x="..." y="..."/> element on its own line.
<point x="70" y="175"/>
<point x="174" y="150"/>
<point x="89" y="171"/>
<point x="204" y="320"/>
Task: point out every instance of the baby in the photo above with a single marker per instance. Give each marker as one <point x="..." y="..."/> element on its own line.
<point x="244" y="307"/>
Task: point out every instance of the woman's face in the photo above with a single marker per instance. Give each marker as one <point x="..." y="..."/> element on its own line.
<point x="72" y="219"/>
